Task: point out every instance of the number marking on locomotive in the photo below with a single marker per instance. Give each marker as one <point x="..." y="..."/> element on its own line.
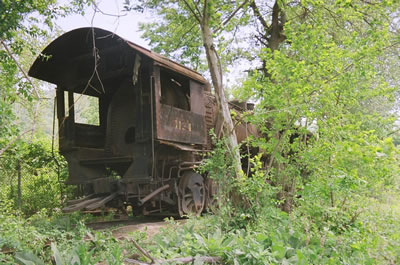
<point x="183" y="125"/>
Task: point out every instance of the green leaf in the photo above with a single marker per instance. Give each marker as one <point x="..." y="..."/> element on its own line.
<point x="27" y="258"/>
<point x="56" y="255"/>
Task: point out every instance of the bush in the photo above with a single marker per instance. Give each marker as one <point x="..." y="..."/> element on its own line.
<point x="41" y="186"/>
<point x="61" y="238"/>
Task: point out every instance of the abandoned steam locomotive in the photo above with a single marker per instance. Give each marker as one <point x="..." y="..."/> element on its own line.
<point x="153" y="121"/>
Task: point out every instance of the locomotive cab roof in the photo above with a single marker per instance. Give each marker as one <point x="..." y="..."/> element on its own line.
<point x="97" y="55"/>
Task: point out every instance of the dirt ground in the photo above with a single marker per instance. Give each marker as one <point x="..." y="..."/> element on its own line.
<point x="125" y="231"/>
<point x="151" y="229"/>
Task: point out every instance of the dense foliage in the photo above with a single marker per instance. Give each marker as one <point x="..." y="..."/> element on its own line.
<point x="338" y="220"/>
<point x="322" y="88"/>
<point x="278" y="238"/>
<point x="42" y="176"/>
<point x="59" y="240"/>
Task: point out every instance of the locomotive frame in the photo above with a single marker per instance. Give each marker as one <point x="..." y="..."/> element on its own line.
<point x="154" y="116"/>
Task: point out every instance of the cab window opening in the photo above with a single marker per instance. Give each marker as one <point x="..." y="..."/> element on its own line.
<point x="86" y="109"/>
<point x="175" y="90"/>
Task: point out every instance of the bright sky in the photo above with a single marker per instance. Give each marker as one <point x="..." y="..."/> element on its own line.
<point x="125" y="26"/>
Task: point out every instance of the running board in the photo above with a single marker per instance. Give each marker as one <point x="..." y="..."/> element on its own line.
<point x="71" y="202"/>
<point x="89" y="203"/>
<point x="102" y="202"/>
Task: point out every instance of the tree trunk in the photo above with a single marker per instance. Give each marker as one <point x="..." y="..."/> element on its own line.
<point x="222" y="103"/>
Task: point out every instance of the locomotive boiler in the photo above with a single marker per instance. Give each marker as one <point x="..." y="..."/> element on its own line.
<point x="150" y="131"/>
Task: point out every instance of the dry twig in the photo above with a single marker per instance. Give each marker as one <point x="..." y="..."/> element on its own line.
<point x="144" y="252"/>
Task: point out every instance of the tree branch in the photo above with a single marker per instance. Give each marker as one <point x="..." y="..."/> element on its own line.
<point x="192" y="11"/>
<point x="179" y="44"/>
<point x="231" y="16"/>
<point x="276" y="29"/>
<point x="97" y="9"/>
<point x="36" y="109"/>
<point x="260" y="40"/>
<point x="20" y="68"/>
<point x="369" y="3"/>
<point x="144" y="252"/>
<point x="196" y="3"/>
<point x="13" y="141"/>
<point x="205" y="11"/>
<point x="258" y="14"/>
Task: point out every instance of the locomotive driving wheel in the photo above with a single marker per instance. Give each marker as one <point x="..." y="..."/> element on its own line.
<point x="192" y="194"/>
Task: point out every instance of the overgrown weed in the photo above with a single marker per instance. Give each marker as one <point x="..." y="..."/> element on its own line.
<point x="353" y="225"/>
<point x="60" y="238"/>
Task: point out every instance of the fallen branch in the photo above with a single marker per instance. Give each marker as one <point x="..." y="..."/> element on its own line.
<point x="144" y="252"/>
<point x="6" y="250"/>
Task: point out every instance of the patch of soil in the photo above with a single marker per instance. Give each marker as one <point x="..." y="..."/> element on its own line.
<point x="151" y="229"/>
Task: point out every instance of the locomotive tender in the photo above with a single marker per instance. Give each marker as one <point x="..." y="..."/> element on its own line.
<point x="153" y="121"/>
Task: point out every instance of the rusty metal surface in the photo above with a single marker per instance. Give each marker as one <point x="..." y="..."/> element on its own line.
<point x="175" y="124"/>
<point x="181" y="126"/>
<point x="106" y="160"/>
<point x="210" y="105"/>
<point x="182" y="147"/>
<point x="153" y="194"/>
<point x="191" y="193"/>
<point x="174" y="66"/>
<point x="102" y="202"/>
<point x="197" y="98"/>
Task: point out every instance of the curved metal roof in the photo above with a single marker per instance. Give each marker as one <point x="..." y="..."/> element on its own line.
<point x="52" y="65"/>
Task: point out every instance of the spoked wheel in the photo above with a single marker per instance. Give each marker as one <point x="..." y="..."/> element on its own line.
<point x="192" y="194"/>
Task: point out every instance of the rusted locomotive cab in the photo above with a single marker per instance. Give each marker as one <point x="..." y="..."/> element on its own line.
<point x="153" y="118"/>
